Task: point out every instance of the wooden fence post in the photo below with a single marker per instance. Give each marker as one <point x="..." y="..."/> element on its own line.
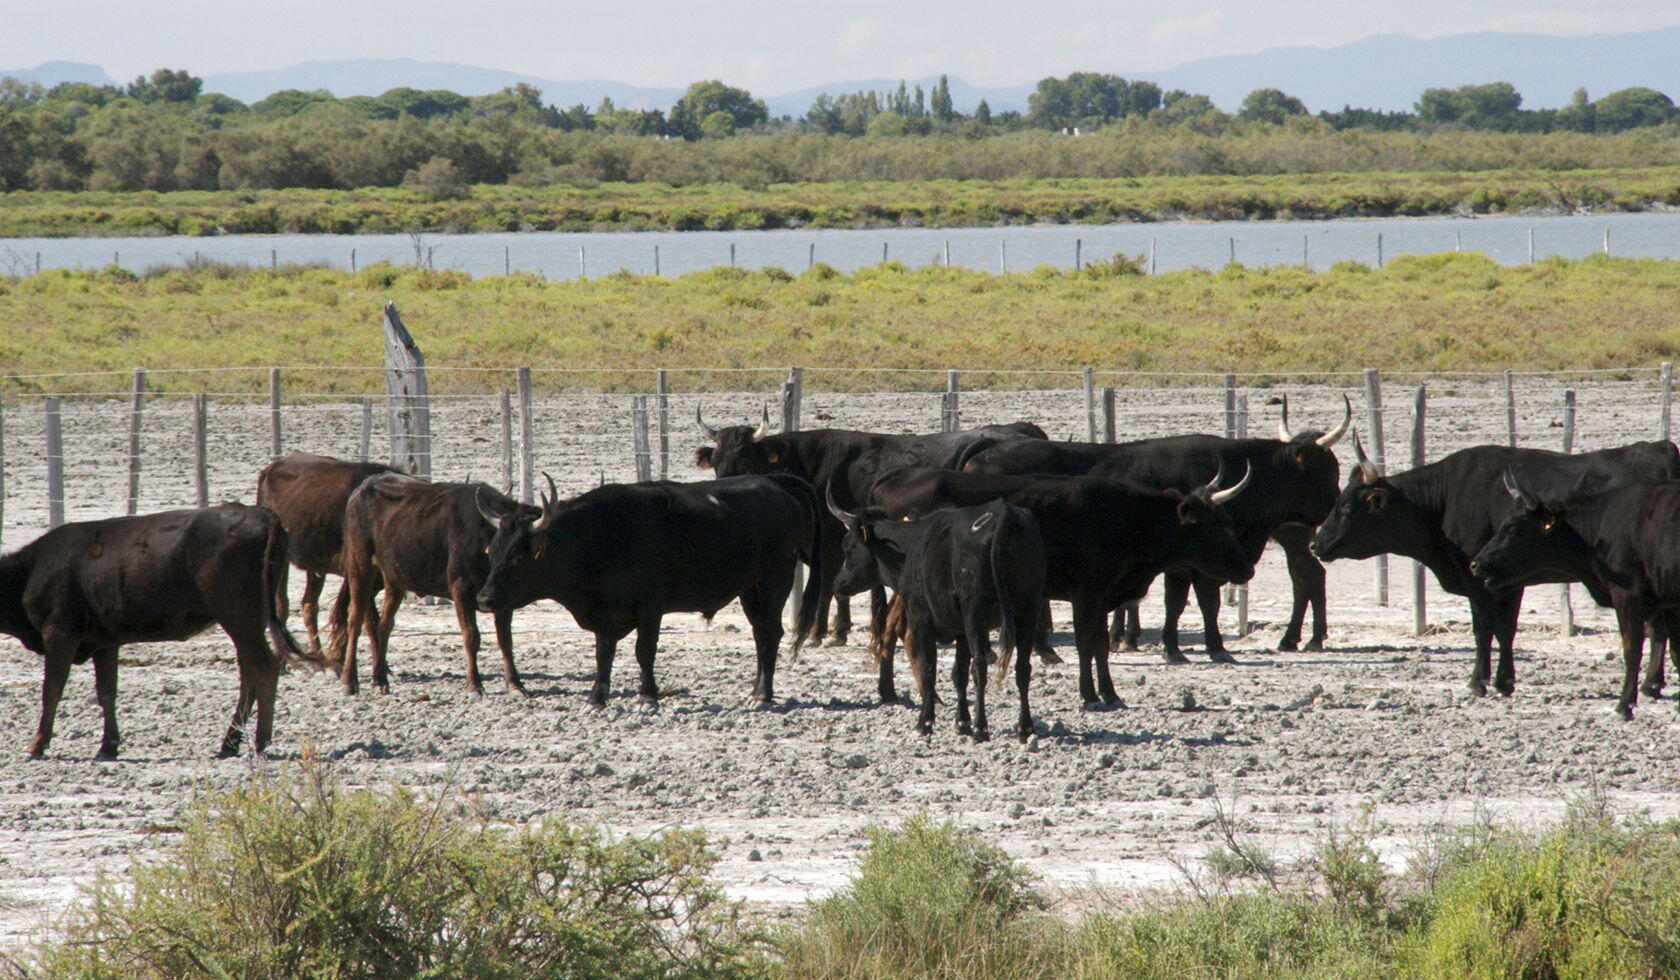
<point x="408" y="400"/>
<point x="507" y="442"/>
<point x="55" y="465"/>
<point x="1242" y="590"/>
<point x="1666" y="375"/>
<point x="639" y="438"/>
<point x="1090" y="408"/>
<point x="1230" y="406"/>
<point x="1566" y="611"/>
<point x="1108" y="414"/>
<point x="136" y="406"/>
<point x="526" y="487"/>
<point x="662" y="390"/>
<point x="793" y="396"/>
<point x="950" y="416"/>
<point x="274" y="413"/>
<point x="1510" y="409"/>
<point x="2" y="469"/>
<point x="1374" y="412"/>
<point x="1420" y="612"/>
<point x="201" y="448"/>
<point x="367" y="428"/>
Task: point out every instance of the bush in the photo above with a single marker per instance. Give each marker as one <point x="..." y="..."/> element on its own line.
<point x="929" y="900"/>
<point x="439" y="178"/>
<point x="299" y="876"/>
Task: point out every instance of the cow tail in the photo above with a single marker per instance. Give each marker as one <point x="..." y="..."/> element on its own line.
<point x="811" y="601"/>
<point x="276" y="564"/>
<point x="1000" y="581"/>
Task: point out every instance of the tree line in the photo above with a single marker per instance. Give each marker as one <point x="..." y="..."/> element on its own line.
<point x="163" y="132"/>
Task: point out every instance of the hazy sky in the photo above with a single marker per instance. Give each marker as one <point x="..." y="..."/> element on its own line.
<point x="766" y="46"/>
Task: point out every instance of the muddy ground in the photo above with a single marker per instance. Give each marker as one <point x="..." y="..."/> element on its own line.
<point x="1099" y="803"/>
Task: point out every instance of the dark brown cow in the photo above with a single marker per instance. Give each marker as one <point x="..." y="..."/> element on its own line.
<point x="82" y="590"/>
<point x="403" y="534"/>
<point x="309" y="493"/>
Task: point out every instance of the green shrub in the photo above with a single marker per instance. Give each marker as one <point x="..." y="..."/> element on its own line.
<point x="929" y="900"/>
<point x="299" y="876"/>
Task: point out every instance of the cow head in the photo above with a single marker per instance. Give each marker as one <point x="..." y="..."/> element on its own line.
<point x="1311" y="471"/>
<point x="1370" y="517"/>
<point x="1534" y="544"/>
<point x="519" y="573"/>
<point x="863" y="549"/>
<point x="1205" y="540"/>
<point x="740" y="450"/>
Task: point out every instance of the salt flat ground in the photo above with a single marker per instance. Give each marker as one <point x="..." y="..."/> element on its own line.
<point x="1098" y="803"/>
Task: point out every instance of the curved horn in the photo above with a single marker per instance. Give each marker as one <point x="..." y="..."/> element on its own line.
<point x="1367" y="472"/>
<point x="486" y="511"/>
<point x="705" y="429"/>
<point x="1284" y="435"/>
<point x="1335" y="435"/>
<point x="1518" y="492"/>
<point x="1221" y="496"/>
<point x="764" y="427"/>
<point x="550" y="502"/>
<point x="834" y="508"/>
<point x="1218" y="477"/>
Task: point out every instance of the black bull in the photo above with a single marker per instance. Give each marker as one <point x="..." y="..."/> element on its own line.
<point x="1620" y="543"/>
<point x="1443" y="513"/>
<point x="957" y="572"/>
<point x="622" y="556"/>
<point x="82" y="590"/>
<point x="1104" y="542"/>
<point x="842" y="460"/>
<point x="1293" y="484"/>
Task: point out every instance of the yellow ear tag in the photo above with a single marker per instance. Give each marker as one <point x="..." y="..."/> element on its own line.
<point x="1546" y="525"/>
<point x="537" y="547"/>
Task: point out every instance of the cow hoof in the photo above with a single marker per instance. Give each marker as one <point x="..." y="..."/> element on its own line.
<point x="228" y="752"/>
<point x="1221" y="657"/>
<point x="982" y="735"/>
<point x="1289" y="645"/>
<point x="837" y="640"/>
<point x="1049" y="657"/>
<point x="34" y="754"/>
<point x="926" y="729"/>
<point x="1173" y="657"/>
<point x="476" y="690"/>
<point x="518" y="689"/>
<point x="1505" y="686"/>
<point x="1025" y="735"/>
<point x="106" y="754"/>
<point x="1314" y="646"/>
<point x="1651" y="690"/>
<point x="889" y="697"/>
<point x="1625" y="711"/>
<point x="1478" y="688"/>
<point x="382" y="687"/>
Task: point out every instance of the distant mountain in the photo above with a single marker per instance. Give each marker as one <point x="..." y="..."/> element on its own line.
<point x="1387" y="71"/>
<point x="374" y="76"/>
<point x="50" y="73"/>
<point x="964" y="97"/>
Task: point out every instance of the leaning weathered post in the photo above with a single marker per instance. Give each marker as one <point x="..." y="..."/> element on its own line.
<point x="639" y="442"/>
<point x="201" y="447"/>
<point x="1374" y="410"/>
<point x="1667" y="410"/>
<point x="136" y="405"/>
<point x="662" y="391"/>
<point x="1420" y="613"/>
<point x="1108" y="414"/>
<point x="274" y="413"/>
<point x="507" y="442"/>
<point x="407" y="399"/>
<point x="1510" y="409"/>
<point x="1566" y="611"/>
<point x="55" y="465"/>
<point x="1090" y="408"/>
<point x="526" y="465"/>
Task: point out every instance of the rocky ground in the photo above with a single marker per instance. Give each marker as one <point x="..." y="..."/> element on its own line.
<point x="1098" y="803"/>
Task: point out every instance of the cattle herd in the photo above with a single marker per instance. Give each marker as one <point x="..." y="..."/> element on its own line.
<point x="968" y="531"/>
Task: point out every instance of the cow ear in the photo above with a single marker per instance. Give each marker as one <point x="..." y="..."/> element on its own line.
<point x="703" y="457"/>
<point x="775" y="457"/>
<point x="1188" y="511"/>
<point x="1378" y="499"/>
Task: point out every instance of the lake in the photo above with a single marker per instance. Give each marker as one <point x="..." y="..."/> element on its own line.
<point x="1175" y="245"/>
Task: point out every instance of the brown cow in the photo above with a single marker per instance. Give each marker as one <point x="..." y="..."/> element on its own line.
<point x="82" y="590"/>
<point x="309" y="493"/>
<point x="405" y="535"/>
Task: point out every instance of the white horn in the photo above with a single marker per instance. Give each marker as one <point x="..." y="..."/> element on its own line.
<point x="1284" y="434"/>
<point x="1367" y="472"/>
<point x="705" y="429"/>
<point x="1221" y="496"/>
<point x="550" y="502"/>
<point x="764" y="428"/>
<point x="1335" y="435"/>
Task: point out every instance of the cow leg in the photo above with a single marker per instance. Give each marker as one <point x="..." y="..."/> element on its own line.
<point x="382" y="642"/>
<point x="960" y="664"/>
<point x="647" y="644"/>
<point x="360" y="616"/>
<point x="1657" y="631"/>
<point x="504" y="640"/>
<point x="259" y="677"/>
<point x="1041" y="637"/>
<point x="105" y="688"/>
<point x="926" y="653"/>
<point x="1125" y="628"/>
<point x="1306" y="580"/>
<point x="605" y="646"/>
<point x="336" y="620"/>
<point x="466" y="617"/>
<point x="1505" y="631"/>
<point x="1175" y="595"/>
<point x="980" y="645"/>
<point x="842" y="621"/>
<point x="1207" y="597"/>
<point x="764" y="613"/>
<point x="310" y="609"/>
<point x="1632" y="623"/>
<point x="1023" y="677"/>
<point x="241" y="713"/>
<point x="1480" y="628"/>
<point x="1090" y="638"/>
